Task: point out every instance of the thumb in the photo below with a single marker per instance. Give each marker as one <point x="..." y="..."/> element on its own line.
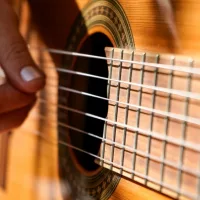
<point x="15" y="58"/>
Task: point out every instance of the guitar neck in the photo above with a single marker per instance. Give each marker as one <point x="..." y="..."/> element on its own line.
<point x="134" y="113"/>
<point x="151" y="133"/>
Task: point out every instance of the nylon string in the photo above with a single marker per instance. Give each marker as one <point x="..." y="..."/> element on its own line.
<point x="169" y="139"/>
<point x="162" y="66"/>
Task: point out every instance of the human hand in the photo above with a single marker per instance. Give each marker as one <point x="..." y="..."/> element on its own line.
<point x="23" y="78"/>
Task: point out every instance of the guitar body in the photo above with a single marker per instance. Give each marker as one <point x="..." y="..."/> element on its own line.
<point x="38" y="164"/>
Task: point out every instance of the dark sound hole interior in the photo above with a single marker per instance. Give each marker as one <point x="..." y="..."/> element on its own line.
<point x="94" y="45"/>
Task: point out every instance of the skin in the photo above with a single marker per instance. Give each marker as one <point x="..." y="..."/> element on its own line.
<point x="17" y="96"/>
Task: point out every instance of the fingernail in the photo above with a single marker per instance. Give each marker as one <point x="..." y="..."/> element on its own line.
<point x="30" y="73"/>
<point x="2" y="77"/>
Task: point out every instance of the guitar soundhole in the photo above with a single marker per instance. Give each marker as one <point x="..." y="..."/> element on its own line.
<point x="93" y="45"/>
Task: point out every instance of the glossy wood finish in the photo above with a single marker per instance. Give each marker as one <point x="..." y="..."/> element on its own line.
<point x="127" y="190"/>
<point x="33" y="161"/>
<point x="149" y="29"/>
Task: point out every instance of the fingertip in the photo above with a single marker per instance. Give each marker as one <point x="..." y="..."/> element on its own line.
<point x="32" y="79"/>
<point x="34" y="85"/>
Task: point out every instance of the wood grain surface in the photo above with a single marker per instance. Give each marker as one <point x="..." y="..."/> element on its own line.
<point x="32" y="172"/>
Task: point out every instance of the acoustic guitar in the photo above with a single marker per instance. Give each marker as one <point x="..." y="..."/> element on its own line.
<point x="119" y="117"/>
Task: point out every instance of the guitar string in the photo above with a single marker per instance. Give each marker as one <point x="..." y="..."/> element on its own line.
<point x="179" y="117"/>
<point x="138" y="113"/>
<point x="146" y="133"/>
<point x="157" y="66"/>
<point x="167" y="120"/>
<point x="172" y="115"/>
<point x="171" y="91"/>
<point x="184" y="131"/>
<point x="181" y="93"/>
<point x="116" y="110"/>
<point x="159" y="112"/>
<point x="126" y="148"/>
<point x="125" y="169"/>
<point x="185" y="69"/>
<point x="155" y="135"/>
<point x="130" y="171"/>
<point x="152" y="119"/>
<point x="105" y="131"/>
<point x="127" y="113"/>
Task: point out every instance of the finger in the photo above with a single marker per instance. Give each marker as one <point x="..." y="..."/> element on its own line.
<point x="13" y="119"/>
<point x="14" y="55"/>
<point x="13" y="99"/>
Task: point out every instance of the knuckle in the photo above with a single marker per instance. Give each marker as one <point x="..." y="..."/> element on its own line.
<point x="15" y="51"/>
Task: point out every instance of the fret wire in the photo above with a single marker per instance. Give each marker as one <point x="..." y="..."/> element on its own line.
<point x="170" y="85"/>
<point x="108" y="89"/>
<point x="109" y="163"/>
<point x="184" y="128"/>
<point x="165" y="141"/>
<point x="181" y="93"/>
<point x="163" y="66"/>
<point x="116" y="109"/>
<point x="126" y="111"/>
<point x="179" y="117"/>
<point x="129" y="171"/>
<point x="138" y="115"/>
<point x="120" y="146"/>
<point x="155" y="135"/>
<point x="152" y="118"/>
<point x="42" y="136"/>
<point x="158" y="112"/>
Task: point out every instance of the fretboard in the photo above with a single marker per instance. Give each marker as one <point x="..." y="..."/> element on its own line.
<point x="151" y="133"/>
<point x="152" y="129"/>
